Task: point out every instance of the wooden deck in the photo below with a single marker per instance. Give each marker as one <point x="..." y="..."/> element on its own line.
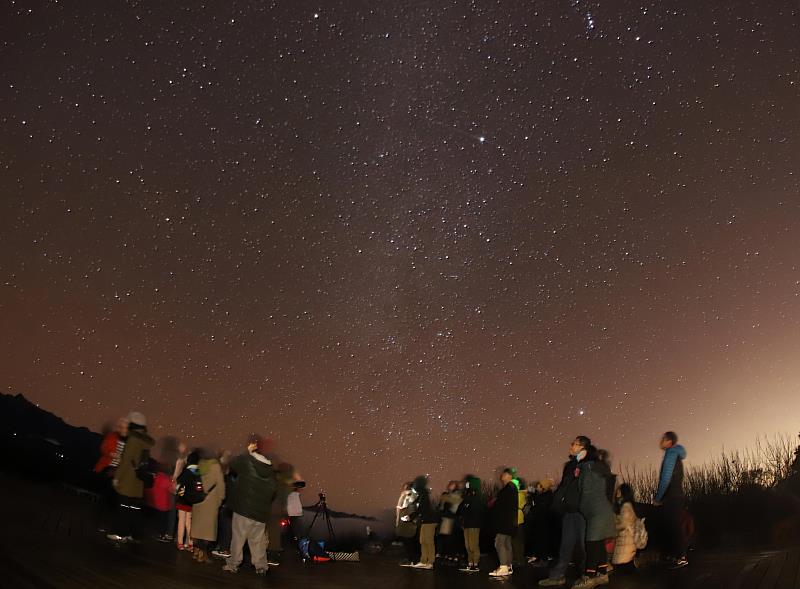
<point x="50" y="540"/>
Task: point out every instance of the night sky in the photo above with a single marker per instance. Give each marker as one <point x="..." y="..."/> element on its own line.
<point x="404" y="237"/>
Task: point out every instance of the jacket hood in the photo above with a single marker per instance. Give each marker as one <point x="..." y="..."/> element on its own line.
<point x="679" y="450"/>
<point x="142" y="435"/>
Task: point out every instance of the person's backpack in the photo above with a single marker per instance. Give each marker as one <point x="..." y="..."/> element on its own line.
<point x="640" y="534"/>
<point x="190" y="488"/>
<point x="143" y="471"/>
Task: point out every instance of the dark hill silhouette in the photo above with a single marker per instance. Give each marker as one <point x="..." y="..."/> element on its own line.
<point x="43" y="446"/>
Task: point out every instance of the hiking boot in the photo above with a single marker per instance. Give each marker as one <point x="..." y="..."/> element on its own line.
<point x="554" y="582"/>
<point x="501" y="571"/>
<point x="679" y="563"/>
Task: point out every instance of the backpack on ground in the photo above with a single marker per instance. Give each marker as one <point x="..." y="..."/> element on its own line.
<point x="190" y="488"/>
<point x="640" y="534"/>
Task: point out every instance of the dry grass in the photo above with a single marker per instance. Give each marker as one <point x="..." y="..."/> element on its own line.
<point x="765" y="465"/>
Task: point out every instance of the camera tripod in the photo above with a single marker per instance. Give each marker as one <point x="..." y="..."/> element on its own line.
<point x="321" y="507"/>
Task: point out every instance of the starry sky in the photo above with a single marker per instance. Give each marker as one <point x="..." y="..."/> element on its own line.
<point x="400" y="237"/>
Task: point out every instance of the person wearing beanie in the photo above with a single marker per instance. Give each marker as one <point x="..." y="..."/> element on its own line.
<point x="254" y="492"/>
<point x="127" y="482"/>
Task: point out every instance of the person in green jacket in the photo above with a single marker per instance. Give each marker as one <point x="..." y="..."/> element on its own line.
<point x="126" y="482"/>
<point x="253" y="492"/>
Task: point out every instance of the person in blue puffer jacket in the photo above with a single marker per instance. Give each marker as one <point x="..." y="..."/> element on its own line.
<point x="671" y="498"/>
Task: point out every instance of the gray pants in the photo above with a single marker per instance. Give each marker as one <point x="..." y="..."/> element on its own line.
<point x="255" y="534"/>
<point x="503" y="543"/>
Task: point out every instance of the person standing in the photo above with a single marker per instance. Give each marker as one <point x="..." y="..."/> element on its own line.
<point x="177" y="468"/>
<point x="186" y="482"/>
<point x="111" y="448"/>
<point x="205" y="515"/>
<point x="126" y="482"/>
<point x="671" y="498"/>
<point x="223" y="548"/>
<point x="471" y="512"/>
<point x="596" y="508"/>
<point x="429" y="520"/>
<point x="255" y="489"/>
<point x="625" y="545"/>
<point x="449" y="541"/>
<point x="406" y="524"/>
<point x="566" y="500"/>
<point x="540" y="523"/>
<point x="504" y="514"/>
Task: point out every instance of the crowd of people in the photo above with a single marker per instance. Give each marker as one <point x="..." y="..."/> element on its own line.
<point x="210" y="505"/>
<point x="588" y="519"/>
<point x="214" y="505"/>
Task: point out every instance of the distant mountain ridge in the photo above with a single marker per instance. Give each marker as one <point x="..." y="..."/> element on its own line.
<point x="41" y="444"/>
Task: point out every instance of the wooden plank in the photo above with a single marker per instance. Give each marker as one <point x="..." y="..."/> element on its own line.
<point x="788" y="575"/>
<point x="776" y="564"/>
<point x="745" y="575"/>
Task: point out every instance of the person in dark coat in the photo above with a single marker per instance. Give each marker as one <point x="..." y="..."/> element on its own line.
<point x="254" y="492"/>
<point x="573" y="525"/>
<point x="429" y="520"/>
<point x="541" y="522"/>
<point x="595" y="506"/>
<point x="470" y="513"/>
<point x="504" y="514"/>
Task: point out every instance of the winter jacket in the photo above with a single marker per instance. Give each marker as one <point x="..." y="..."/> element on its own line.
<point x="427" y="514"/>
<point x="594" y="504"/>
<point x="159" y="496"/>
<point x="450" y="502"/>
<point x="670" y="482"/>
<point x="504" y="512"/>
<point x="406" y="506"/>
<point x="108" y="448"/>
<point x="522" y="500"/>
<point x="205" y="514"/>
<point x="567" y="496"/>
<point x="137" y="449"/>
<point x="471" y="509"/>
<point x="625" y="547"/>
<point x="255" y="486"/>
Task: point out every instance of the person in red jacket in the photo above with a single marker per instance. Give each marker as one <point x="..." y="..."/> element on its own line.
<point x="111" y="448"/>
<point x="110" y="453"/>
